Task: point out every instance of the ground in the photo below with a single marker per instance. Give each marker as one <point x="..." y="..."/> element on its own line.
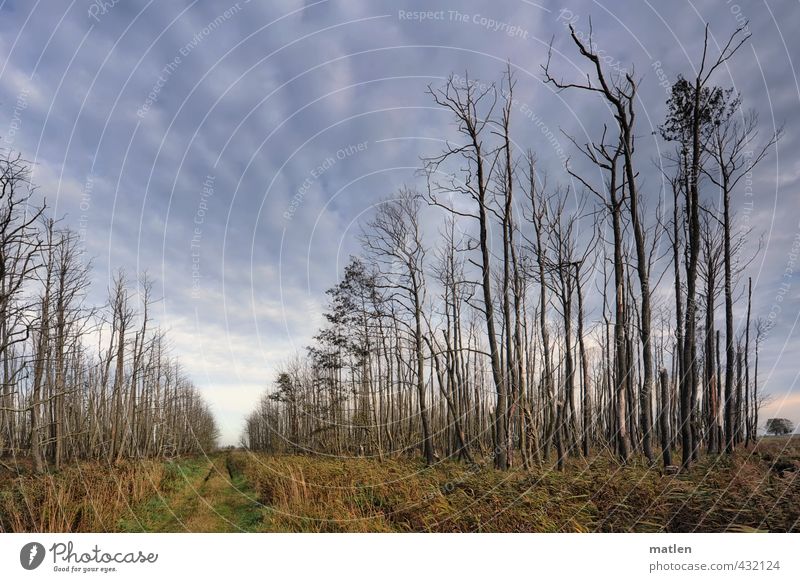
<point x="203" y="497"/>
<point x="239" y="491"/>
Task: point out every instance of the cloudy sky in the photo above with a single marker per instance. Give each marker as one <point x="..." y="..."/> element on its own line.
<point x="231" y="148"/>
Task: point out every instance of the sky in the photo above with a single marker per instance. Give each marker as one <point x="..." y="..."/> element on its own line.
<point x="233" y="148"/>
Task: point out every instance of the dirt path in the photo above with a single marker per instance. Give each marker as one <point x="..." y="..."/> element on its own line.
<point x="202" y="496"/>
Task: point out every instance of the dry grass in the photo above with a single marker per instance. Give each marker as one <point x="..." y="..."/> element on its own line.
<point x="89" y="497"/>
<point x="756" y="489"/>
<point x="749" y="492"/>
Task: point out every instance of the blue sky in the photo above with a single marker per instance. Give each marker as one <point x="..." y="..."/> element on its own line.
<point x="231" y="148"/>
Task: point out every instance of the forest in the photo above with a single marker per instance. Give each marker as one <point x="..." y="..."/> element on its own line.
<point x="599" y="312"/>
<point x="81" y="382"/>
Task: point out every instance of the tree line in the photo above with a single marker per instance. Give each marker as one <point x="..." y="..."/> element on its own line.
<point x="541" y="320"/>
<point x="81" y="382"/>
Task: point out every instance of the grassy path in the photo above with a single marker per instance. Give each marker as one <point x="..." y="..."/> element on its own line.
<point x="200" y="495"/>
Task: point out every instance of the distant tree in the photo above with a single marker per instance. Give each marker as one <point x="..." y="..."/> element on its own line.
<point x="287" y="392"/>
<point x="779" y="426"/>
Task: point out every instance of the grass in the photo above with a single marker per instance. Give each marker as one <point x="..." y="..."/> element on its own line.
<point x="201" y="495"/>
<point x="89" y="497"/>
<point x="754" y="490"/>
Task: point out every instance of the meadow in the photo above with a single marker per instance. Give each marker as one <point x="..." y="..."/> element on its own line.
<point x="237" y="490"/>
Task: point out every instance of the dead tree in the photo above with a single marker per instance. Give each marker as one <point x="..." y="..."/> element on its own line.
<point x="472" y="107"/>
<point x="620" y="94"/>
<point x="394" y="239"/>
<point x="732" y="149"/>
<point x="540" y="202"/>
<point x="666" y="449"/>
<point x="612" y="197"/>
<point x="20" y="259"/>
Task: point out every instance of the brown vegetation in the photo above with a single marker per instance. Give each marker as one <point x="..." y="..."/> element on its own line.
<point x="745" y="492"/>
<point x="86" y="497"/>
<point x="751" y="490"/>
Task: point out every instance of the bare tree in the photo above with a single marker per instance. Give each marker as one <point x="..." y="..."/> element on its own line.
<point x="472" y="106"/>
<point x="732" y="149"/>
<point x="20" y="246"/>
<point x="394" y="239"/>
<point x="620" y="94"/>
